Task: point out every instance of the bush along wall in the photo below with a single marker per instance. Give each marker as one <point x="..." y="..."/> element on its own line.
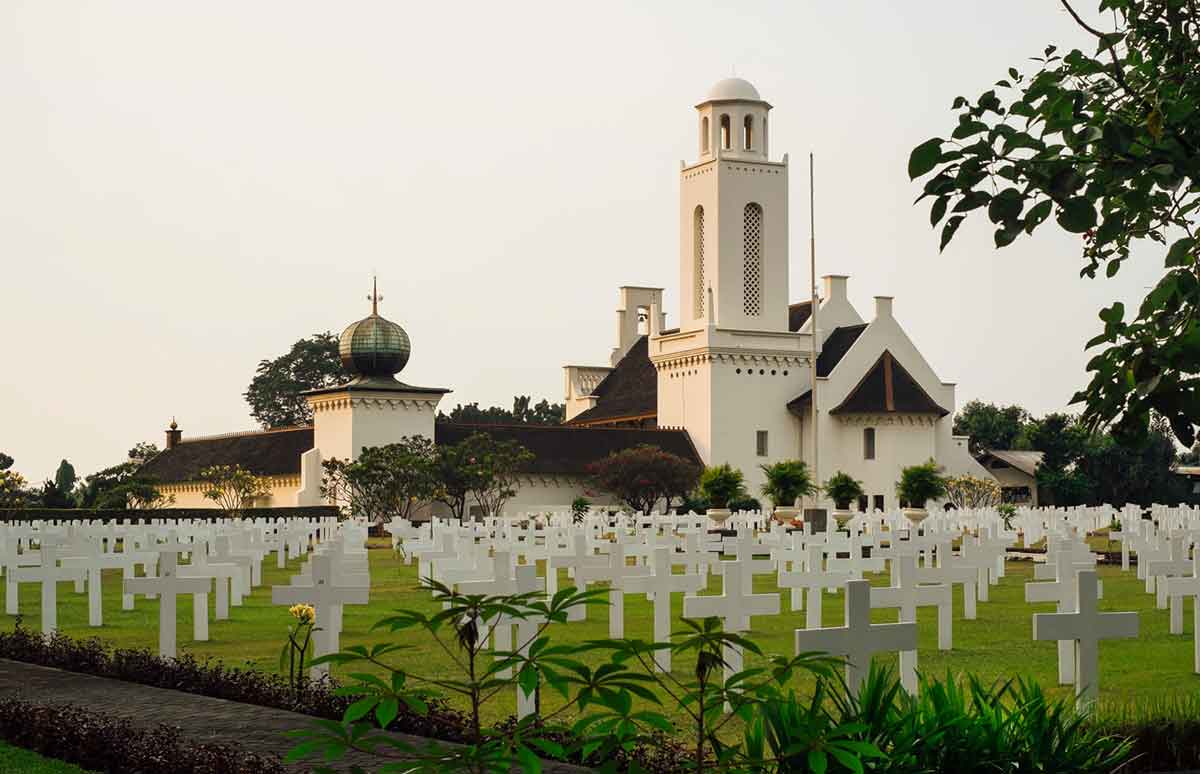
<point x="211" y="678"/>
<point x="133" y="514"/>
<point x="102" y="743"/>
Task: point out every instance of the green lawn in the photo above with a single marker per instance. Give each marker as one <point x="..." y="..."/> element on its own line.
<point x="18" y="761"/>
<point x="996" y="645"/>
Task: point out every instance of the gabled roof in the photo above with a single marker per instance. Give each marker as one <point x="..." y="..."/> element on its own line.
<point x="265" y="453"/>
<point x="566" y="450"/>
<point x="836" y="346"/>
<point x="798" y="314"/>
<point x="630" y="391"/>
<point x="888" y="389"/>
<point x="1025" y="461"/>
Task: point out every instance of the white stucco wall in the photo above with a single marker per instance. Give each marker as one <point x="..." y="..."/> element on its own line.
<point x="345" y="422"/>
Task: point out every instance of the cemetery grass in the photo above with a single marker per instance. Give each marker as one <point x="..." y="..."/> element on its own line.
<point x="16" y="759"/>
<point x="997" y="645"/>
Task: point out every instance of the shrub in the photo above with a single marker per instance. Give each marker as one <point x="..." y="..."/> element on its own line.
<point x="644" y="475"/>
<point x="842" y="488"/>
<point x="722" y="483"/>
<point x="920" y="483"/>
<point x="786" y="481"/>
<point x="99" y="742"/>
<point x="967" y="491"/>
<point x="745" y="505"/>
<point x="211" y="678"/>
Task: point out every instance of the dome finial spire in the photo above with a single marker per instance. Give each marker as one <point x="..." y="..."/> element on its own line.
<point x="374" y="298"/>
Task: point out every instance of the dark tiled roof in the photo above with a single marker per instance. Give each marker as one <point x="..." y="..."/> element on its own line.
<point x="798" y="314"/>
<point x="801" y="405"/>
<point x="269" y="453"/>
<point x="836" y="347"/>
<point x="630" y="390"/>
<point x="569" y="450"/>
<point x="888" y="389"/>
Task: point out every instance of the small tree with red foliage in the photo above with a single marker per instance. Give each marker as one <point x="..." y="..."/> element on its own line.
<point x="642" y="476"/>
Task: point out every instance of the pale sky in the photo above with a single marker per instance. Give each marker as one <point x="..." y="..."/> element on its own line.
<point x="187" y="188"/>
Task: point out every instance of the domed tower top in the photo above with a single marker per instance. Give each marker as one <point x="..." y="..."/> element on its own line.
<point x="374" y="349"/>
<point x="733" y="121"/>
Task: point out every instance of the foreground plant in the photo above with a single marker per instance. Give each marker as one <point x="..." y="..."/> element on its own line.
<point x="614" y="705"/>
<point x="298" y="645"/>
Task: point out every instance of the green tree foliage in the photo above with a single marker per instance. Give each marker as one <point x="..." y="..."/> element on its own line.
<point x="391" y="481"/>
<point x="990" y="426"/>
<point x="233" y="488"/>
<point x="1108" y="142"/>
<point x="142" y="452"/>
<point x="479" y="469"/>
<point x="65" y="478"/>
<point x="275" y="391"/>
<point x="13" y="493"/>
<point x="524" y="412"/>
<point x="6" y="461"/>
<point x="119" y="487"/>
<point x="645" y="475"/>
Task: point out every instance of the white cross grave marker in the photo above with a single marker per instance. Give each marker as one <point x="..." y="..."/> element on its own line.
<point x="858" y="639"/>
<point x="1086" y="627"/>
<point x="167" y="585"/>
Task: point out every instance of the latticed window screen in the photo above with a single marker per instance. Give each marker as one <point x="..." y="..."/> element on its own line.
<point x="752" y="217"/>
<point x="698" y="256"/>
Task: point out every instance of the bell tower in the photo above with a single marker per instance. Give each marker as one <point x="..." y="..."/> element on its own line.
<point x="734" y="218"/>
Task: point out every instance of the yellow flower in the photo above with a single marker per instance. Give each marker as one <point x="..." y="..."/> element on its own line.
<point x="303" y="613"/>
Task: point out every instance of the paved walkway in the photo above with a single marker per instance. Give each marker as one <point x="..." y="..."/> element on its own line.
<point x="206" y="719"/>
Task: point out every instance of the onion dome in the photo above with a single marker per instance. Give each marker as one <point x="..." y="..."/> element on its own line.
<point x="374" y="347"/>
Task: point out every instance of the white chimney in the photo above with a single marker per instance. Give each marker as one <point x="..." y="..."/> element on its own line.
<point x="835" y="287"/>
<point x="883" y="307"/>
<point x="654" y="324"/>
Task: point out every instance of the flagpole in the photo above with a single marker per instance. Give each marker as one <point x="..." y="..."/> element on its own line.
<point x="812" y="256"/>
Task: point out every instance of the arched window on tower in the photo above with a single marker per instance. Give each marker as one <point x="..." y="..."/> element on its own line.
<point x="704" y="135"/>
<point x="752" y="239"/>
<point x="726" y="138"/>
<point x="698" y="261"/>
<point x="748" y="133"/>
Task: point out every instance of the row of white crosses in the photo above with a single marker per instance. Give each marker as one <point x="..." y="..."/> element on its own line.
<point x="229" y="554"/>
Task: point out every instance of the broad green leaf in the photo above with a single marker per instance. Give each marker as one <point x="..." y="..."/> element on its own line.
<point x="1077" y="215"/>
<point x="924" y="158"/>
<point x="948" y="231"/>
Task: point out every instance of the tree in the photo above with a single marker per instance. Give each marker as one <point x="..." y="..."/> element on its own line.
<point x="232" y="487"/>
<point x="967" y="491"/>
<point x="1108" y="142"/>
<point x="1120" y="472"/>
<point x="275" y="391"/>
<point x="1062" y="440"/>
<point x="453" y="478"/>
<point x="990" y="426"/>
<point x="6" y="461"/>
<point x="12" y="489"/>
<point x="65" y="478"/>
<point x="142" y="452"/>
<point x="643" y="476"/>
<point x="384" y="481"/>
<point x="543" y="413"/>
<point x="493" y="467"/>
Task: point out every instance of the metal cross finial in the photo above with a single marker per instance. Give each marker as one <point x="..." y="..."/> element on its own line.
<point x="375" y="298"/>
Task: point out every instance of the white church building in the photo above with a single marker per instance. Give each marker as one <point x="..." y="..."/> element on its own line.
<point x="733" y="382"/>
<point x="736" y="373"/>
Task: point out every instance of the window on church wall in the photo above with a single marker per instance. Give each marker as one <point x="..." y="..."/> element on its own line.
<point x="752" y="227"/>
<point x="748" y="133"/>
<point x="760" y="443"/>
<point x="698" y="259"/>
<point x="704" y="135"/>
<point x="725" y="133"/>
<point x="869" y="443"/>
